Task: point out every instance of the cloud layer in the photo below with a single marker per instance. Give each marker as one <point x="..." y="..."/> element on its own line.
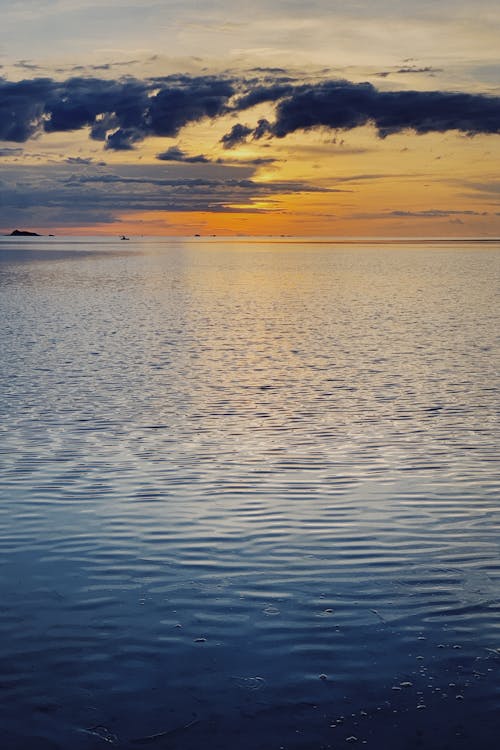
<point x="342" y="105"/>
<point x="123" y="112"/>
<point x="61" y="195"/>
<point x="120" y="113"/>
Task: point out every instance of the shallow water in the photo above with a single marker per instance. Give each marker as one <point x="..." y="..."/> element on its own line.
<point x="249" y="494"/>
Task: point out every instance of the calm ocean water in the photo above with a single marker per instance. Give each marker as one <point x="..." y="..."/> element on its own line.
<point x="249" y="495"/>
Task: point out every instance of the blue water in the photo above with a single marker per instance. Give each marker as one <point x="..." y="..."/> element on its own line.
<point x="249" y="494"/>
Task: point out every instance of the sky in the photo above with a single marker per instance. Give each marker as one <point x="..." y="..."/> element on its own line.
<point x="327" y="118"/>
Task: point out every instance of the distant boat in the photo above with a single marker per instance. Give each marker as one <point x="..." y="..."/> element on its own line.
<point x="124" y="238"/>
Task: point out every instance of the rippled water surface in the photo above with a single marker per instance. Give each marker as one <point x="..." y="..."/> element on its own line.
<point x="250" y="495"/>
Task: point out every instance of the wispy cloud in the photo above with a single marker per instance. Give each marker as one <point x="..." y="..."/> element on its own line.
<point x="482" y="188"/>
<point x="64" y="197"/>
<point x="81" y="161"/>
<point x="174" y="153"/>
<point x="8" y="152"/>
<point x="410" y="70"/>
<point x="431" y="213"/>
<point x="27" y="65"/>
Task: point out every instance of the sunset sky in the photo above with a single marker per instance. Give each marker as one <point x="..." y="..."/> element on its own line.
<point x="370" y="118"/>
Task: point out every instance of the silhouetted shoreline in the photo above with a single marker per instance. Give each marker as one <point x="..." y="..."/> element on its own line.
<point x="23" y="233"/>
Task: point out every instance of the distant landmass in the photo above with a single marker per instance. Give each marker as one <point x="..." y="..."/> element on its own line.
<point x="23" y="233"/>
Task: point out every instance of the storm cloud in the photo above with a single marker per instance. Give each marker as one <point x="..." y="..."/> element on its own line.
<point x="122" y="113"/>
<point x="342" y="105"/>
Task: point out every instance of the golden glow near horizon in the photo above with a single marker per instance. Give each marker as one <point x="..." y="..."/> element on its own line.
<point x="399" y="186"/>
<point x="315" y="182"/>
<point x="402" y="185"/>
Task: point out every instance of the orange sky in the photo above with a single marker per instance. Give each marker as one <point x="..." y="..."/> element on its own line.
<point x="325" y="180"/>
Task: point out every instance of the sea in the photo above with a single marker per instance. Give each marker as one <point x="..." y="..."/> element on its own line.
<point x="249" y="494"/>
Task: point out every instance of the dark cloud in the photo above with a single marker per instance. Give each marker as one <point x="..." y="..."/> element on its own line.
<point x="486" y="189"/>
<point x="414" y="69"/>
<point x="433" y="213"/>
<point x="258" y="162"/>
<point x="261" y="94"/>
<point x="201" y="184"/>
<point x="263" y="127"/>
<point x="124" y="139"/>
<point x="277" y="71"/>
<point x="367" y="177"/>
<point x="10" y="152"/>
<point x="81" y="102"/>
<point x="85" y="162"/>
<point x="189" y="100"/>
<point x="342" y="105"/>
<point x="238" y="134"/>
<point x="63" y="196"/>
<point x="26" y="65"/>
<point x="430" y="213"/>
<point x="123" y="112"/>
<point x="89" y="69"/>
<point x="110" y="65"/>
<point x="22" y="107"/>
<point x="176" y="154"/>
<point x="408" y="69"/>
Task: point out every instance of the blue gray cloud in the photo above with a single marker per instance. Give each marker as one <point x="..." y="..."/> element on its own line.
<point x="430" y="213"/>
<point x="59" y="195"/>
<point x="10" y="152"/>
<point x="118" y="112"/>
<point x="342" y="105"/>
<point x="174" y="153"/>
<point x="121" y="113"/>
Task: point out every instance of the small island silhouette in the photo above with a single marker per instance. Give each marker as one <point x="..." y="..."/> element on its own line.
<point x="23" y="233"/>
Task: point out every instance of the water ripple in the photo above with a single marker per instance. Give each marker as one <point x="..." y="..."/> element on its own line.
<point x="249" y="492"/>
